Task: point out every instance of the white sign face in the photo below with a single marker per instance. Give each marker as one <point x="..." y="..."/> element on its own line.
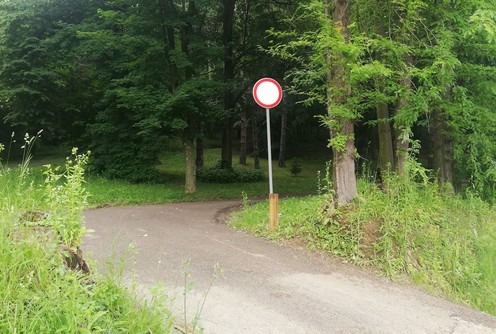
<point x="267" y="93"/>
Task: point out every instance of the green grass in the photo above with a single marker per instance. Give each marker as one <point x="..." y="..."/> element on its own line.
<point x="443" y="242"/>
<point x="105" y="192"/>
<point x="296" y="215"/>
<point x="113" y="192"/>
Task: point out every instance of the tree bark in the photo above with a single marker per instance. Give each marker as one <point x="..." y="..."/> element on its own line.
<point x="243" y="136"/>
<point x="284" y="137"/>
<point x="442" y="148"/>
<point x="343" y="167"/>
<point x="227" y="38"/>
<point x="343" y="171"/>
<point x="256" y="151"/>
<point x="386" y="148"/>
<point x="200" y="161"/>
<point x="170" y="43"/>
<point x="386" y="151"/>
<point x="189" y="152"/>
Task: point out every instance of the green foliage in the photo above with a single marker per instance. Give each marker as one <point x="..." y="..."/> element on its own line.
<point x="40" y="78"/>
<point x="152" y="87"/>
<point x="122" y="79"/>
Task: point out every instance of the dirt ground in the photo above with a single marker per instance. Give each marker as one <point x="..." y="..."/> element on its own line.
<point x="266" y="287"/>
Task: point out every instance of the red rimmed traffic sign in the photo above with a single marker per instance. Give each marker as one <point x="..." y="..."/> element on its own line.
<point x="267" y="93"/>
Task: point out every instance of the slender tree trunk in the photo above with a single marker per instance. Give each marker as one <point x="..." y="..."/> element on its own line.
<point x="200" y="161"/>
<point x="402" y="144"/>
<point x="401" y="132"/>
<point x="442" y="148"/>
<point x="386" y="148"/>
<point x="449" y="168"/>
<point x="343" y="167"/>
<point x="256" y="152"/>
<point x="170" y="43"/>
<point x="386" y="151"/>
<point x="189" y="152"/>
<point x="284" y="137"/>
<point x="227" y="37"/>
<point x="243" y="136"/>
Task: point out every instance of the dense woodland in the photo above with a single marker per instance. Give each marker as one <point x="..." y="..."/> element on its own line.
<point x="386" y="83"/>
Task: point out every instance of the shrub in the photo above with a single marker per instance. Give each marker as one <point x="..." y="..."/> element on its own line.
<point x="295" y="167"/>
<point x="228" y="175"/>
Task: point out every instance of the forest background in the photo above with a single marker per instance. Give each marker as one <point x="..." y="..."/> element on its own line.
<point x="376" y="80"/>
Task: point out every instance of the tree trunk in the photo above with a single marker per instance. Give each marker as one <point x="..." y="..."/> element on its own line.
<point x="227" y="38"/>
<point x="386" y="151"/>
<point x="343" y="167"/>
<point x="189" y="153"/>
<point x="402" y="143"/>
<point x="170" y="43"/>
<point x="401" y="131"/>
<point x="442" y="148"/>
<point x="343" y="171"/>
<point x="200" y="161"/>
<point x="256" y="152"/>
<point x="284" y="139"/>
<point x="243" y="136"/>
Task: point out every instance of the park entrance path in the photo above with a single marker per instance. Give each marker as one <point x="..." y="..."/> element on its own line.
<point x="266" y="288"/>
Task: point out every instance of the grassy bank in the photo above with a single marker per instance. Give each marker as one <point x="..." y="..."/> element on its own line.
<point x="42" y="289"/>
<point x="439" y="240"/>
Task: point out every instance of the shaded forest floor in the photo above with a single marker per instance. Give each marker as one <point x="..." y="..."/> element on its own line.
<point x="106" y="192"/>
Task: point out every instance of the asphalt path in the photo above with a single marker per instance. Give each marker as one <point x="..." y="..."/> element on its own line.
<point x="266" y="287"/>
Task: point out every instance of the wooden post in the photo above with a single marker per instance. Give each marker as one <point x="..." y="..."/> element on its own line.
<point x="273" y="211"/>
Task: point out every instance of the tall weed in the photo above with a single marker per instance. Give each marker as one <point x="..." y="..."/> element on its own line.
<point x="39" y="294"/>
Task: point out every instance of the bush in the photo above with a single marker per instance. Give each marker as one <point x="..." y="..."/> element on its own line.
<point x="295" y="167"/>
<point x="126" y="162"/>
<point x="118" y="152"/>
<point x="228" y="175"/>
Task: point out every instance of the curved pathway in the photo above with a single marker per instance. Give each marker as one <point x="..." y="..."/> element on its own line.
<point x="266" y="288"/>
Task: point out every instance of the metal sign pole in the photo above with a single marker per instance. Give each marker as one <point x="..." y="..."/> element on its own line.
<point x="273" y="198"/>
<point x="269" y="151"/>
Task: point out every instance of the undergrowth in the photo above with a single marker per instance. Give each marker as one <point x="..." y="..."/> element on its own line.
<point x="39" y="292"/>
<point x="216" y="174"/>
<point x="412" y="226"/>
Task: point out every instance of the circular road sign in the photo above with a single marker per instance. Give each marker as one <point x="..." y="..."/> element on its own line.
<point x="267" y="93"/>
